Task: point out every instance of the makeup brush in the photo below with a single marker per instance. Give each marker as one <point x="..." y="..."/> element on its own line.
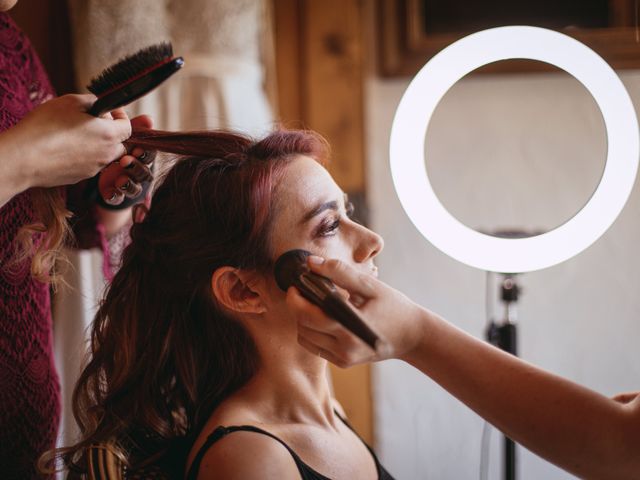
<point x="132" y="77"/>
<point x="291" y="269"/>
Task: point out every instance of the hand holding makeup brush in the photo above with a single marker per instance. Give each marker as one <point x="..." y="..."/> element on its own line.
<point x="385" y="310"/>
<point x="577" y="429"/>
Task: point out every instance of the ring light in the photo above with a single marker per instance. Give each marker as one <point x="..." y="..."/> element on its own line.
<point x="425" y="92"/>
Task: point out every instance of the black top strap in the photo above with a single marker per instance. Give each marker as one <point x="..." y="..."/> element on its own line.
<point x="306" y="472"/>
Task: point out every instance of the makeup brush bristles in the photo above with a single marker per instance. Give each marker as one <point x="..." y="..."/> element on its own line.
<point x="130" y="67"/>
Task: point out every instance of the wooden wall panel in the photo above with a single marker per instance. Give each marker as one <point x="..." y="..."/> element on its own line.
<point x="320" y="68"/>
<point x="353" y="390"/>
<point x="319" y="62"/>
<point x="46" y="23"/>
<point x="286" y="18"/>
<point x="334" y="96"/>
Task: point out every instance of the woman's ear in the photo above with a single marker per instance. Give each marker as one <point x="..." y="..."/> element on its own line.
<point x="236" y="290"/>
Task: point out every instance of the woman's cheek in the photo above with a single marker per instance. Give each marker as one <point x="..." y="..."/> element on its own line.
<point x="338" y="248"/>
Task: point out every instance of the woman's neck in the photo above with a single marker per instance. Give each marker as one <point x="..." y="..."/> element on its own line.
<point x="291" y="385"/>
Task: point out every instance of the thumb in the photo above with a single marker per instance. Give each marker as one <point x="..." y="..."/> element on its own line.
<point x="344" y="276"/>
<point x="121" y="123"/>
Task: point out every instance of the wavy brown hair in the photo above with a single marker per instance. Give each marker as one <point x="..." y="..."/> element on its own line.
<point x="163" y="355"/>
<point x="41" y="242"/>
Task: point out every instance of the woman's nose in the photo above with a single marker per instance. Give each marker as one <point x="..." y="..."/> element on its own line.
<point x="369" y="245"/>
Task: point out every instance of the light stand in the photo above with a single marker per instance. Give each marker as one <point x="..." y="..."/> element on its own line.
<point x="504" y="336"/>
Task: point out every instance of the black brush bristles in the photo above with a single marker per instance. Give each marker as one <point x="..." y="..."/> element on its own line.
<point x="289" y="266"/>
<point x="130" y="67"/>
<point x="133" y="77"/>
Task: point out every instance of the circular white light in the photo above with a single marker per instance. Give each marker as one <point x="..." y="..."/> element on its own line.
<point x="427" y="89"/>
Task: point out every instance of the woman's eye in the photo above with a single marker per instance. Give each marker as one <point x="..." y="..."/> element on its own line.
<point x="328" y="227"/>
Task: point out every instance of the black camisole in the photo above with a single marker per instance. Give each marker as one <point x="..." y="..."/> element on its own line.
<point x="306" y="472"/>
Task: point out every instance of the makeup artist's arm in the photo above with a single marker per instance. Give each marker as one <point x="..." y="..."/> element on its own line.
<point x="573" y="427"/>
<point x="59" y="144"/>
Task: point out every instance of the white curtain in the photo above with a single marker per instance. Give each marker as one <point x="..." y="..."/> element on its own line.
<point x="227" y="47"/>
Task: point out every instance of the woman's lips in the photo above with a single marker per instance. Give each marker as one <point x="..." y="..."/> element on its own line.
<point x="374" y="271"/>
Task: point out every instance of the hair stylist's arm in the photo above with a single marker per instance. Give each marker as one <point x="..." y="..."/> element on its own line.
<point x="59" y="144"/>
<point x="578" y="429"/>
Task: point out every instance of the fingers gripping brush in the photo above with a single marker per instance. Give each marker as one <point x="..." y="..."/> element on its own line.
<point x="291" y="269"/>
<point x="123" y="82"/>
<point x="132" y="77"/>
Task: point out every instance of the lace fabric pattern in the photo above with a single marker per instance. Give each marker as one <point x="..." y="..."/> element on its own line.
<point x="29" y="389"/>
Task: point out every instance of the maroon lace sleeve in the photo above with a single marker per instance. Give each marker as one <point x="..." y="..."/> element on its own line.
<point x="29" y="391"/>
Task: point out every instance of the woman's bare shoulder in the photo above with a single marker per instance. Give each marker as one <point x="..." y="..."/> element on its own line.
<point x="245" y="454"/>
<point x="241" y="454"/>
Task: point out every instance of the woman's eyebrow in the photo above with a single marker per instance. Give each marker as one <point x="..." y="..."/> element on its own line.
<point x="332" y="205"/>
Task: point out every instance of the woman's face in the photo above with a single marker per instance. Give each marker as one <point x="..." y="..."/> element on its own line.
<point x="313" y="214"/>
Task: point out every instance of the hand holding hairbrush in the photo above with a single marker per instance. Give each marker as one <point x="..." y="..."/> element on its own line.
<point x="117" y="86"/>
<point x="291" y="269"/>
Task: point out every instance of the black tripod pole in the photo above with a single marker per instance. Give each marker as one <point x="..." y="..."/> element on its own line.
<point x="503" y="335"/>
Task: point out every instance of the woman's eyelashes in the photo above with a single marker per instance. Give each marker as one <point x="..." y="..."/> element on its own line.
<point x="328" y="226"/>
<point x="331" y="223"/>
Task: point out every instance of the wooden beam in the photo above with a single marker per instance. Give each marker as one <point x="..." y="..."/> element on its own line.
<point x="320" y="65"/>
<point x="319" y="58"/>
<point x="46" y="23"/>
<point x="333" y="69"/>
<point x="287" y="27"/>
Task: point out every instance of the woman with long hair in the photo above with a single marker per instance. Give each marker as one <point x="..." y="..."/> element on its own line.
<point x="195" y="364"/>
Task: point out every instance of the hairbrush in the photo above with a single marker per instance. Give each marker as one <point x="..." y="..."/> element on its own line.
<point x="132" y="77"/>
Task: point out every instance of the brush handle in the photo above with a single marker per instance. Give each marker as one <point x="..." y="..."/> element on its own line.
<point x="101" y="106"/>
<point x="320" y="291"/>
<point x="338" y="308"/>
